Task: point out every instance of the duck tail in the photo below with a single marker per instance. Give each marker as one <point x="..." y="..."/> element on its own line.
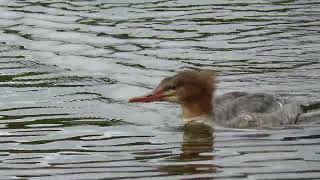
<point x="313" y="106"/>
<point x="310" y="113"/>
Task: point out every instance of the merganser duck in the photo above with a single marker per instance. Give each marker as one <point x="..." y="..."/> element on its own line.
<point x="194" y="92"/>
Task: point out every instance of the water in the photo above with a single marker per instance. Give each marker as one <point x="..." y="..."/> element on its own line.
<point x="69" y="67"/>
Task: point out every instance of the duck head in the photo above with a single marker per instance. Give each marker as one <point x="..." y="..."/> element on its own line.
<point x="193" y="90"/>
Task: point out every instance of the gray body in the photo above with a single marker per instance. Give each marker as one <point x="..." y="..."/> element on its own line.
<point x="247" y="110"/>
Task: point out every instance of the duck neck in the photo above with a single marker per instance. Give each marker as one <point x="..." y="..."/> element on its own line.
<point x="200" y="108"/>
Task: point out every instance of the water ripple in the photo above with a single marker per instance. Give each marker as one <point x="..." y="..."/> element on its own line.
<point x="68" y="68"/>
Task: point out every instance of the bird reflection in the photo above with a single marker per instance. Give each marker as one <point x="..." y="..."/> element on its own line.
<point x="196" y="156"/>
<point x="197" y="139"/>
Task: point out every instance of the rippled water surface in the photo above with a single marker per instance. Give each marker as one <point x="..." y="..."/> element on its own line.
<point x="67" y="69"/>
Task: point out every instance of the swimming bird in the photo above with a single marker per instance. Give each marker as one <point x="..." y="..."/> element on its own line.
<point x="194" y="91"/>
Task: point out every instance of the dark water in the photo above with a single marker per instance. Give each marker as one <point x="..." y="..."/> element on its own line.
<point x="67" y="69"/>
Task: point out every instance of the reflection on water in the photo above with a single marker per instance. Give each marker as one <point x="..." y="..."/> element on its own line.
<point x="197" y="140"/>
<point x="67" y="69"/>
